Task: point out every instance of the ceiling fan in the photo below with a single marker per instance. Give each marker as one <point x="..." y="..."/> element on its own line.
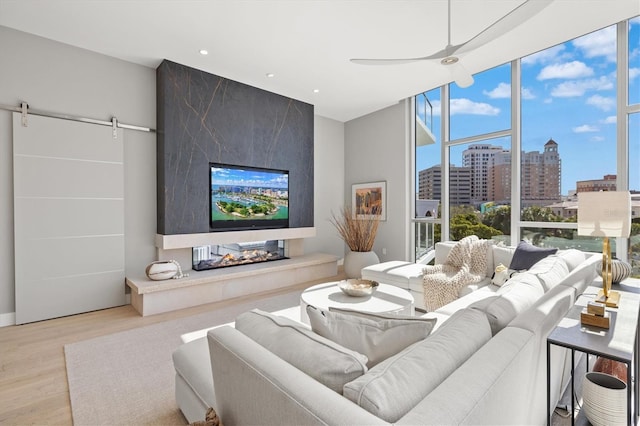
<point x="448" y="55"/>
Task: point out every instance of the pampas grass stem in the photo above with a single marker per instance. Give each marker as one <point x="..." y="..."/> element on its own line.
<point x="358" y="234"/>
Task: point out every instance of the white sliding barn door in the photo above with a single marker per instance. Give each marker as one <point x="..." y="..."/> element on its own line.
<point x="69" y="218"/>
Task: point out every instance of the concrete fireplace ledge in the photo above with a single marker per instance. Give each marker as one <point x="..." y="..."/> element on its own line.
<point x="153" y="297"/>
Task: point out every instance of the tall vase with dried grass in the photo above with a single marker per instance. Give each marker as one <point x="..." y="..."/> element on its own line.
<point x="359" y="234"/>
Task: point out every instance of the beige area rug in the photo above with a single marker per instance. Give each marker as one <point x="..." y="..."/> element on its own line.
<point x="127" y="378"/>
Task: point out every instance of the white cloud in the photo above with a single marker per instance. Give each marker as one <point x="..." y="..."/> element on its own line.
<point x="600" y="102"/>
<point x="633" y="73"/>
<point x="466" y="106"/>
<point x="548" y="101"/>
<point x="544" y="56"/>
<point x="503" y="90"/>
<point x="527" y="94"/>
<point x="598" y="43"/>
<point x="597" y="139"/>
<point x="573" y="69"/>
<point x="585" y="128"/>
<point x="579" y="87"/>
<point x="610" y="120"/>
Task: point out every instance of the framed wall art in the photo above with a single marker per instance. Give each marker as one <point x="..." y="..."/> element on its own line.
<point x="369" y="199"/>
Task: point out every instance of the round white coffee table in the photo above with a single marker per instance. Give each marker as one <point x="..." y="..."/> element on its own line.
<point x="387" y="299"/>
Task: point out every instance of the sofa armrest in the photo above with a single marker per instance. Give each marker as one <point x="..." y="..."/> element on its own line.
<point x="254" y="386"/>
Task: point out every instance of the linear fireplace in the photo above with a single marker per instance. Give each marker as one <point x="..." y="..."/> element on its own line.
<point x="226" y="255"/>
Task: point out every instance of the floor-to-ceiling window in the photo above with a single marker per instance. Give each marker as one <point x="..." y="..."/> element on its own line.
<point x="633" y="134"/>
<point x="428" y="178"/>
<point x="514" y="179"/>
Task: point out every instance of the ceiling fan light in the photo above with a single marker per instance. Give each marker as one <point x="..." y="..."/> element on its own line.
<point x="449" y="60"/>
<point x="461" y="76"/>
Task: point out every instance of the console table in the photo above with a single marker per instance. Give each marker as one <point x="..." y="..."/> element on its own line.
<point x="619" y="342"/>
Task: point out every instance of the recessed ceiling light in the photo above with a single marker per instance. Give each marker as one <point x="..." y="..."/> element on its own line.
<point x="204" y="52"/>
<point x="270" y="75"/>
<point x="316" y="90"/>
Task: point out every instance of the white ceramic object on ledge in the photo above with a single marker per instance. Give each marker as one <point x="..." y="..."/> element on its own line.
<point x="163" y="270"/>
<point x="604" y="399"/>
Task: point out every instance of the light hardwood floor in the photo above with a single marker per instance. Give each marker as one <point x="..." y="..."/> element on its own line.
<point x="33" y="376"/>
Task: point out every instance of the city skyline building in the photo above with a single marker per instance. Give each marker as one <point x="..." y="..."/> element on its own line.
<point x="486" y="177"/>
<point x="430" y="184"/>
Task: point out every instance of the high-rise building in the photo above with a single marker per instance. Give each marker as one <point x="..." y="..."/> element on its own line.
<point x="541" y="176"/>
<point x="478" y="157"/>
<point x="499" y="177"/>
<point x="430" y="184"/>
<point x="540" y="179"/>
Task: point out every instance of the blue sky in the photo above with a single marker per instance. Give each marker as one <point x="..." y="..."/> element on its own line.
<point x="238" y="177"/>
<point x="568" y="95"/>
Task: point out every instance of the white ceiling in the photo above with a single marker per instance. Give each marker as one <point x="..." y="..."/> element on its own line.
<point x="307" y="43"/>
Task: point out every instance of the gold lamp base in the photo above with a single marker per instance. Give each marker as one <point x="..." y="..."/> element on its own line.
<point x="611" y="301"/>
<point x="610" y="298"/>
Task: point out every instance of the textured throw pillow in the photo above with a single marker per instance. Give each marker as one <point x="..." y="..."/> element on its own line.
<point x="328" y="362"/>
<point x="393" y="387"/>
<point x="526" y="255"/>
<point x="377" y="336"/>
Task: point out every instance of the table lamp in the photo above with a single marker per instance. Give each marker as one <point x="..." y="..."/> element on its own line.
<point x="605" y="214"/>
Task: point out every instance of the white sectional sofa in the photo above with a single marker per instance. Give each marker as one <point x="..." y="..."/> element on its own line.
<point x="408" y="275"/>
<point x="485" y="362"/>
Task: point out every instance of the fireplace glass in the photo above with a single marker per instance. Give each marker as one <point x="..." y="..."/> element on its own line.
<point x="225" y="255"/>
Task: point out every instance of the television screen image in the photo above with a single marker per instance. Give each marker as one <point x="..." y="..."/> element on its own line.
<point x="248" y="197"/>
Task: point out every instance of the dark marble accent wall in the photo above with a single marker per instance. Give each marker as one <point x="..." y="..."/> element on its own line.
<point x="205" y="118"/>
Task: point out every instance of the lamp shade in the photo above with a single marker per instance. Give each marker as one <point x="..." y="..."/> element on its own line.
<point x="604" y="214"/>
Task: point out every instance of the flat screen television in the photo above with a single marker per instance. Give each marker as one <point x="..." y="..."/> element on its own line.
<point x="243" y="197"/>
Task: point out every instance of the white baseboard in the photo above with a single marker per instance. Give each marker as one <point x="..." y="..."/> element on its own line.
<point x="7" y="319"/>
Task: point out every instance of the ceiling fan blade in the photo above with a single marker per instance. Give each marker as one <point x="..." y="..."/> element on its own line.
<point x="386" y="61"/>
<point x="447" y="51"/>
<point x="516" y="17"/>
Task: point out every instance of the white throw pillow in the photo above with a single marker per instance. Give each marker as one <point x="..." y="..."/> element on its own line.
<point x="326" y="361"/>
<point x="377" y="336"/>
<point x="502" y="254"/>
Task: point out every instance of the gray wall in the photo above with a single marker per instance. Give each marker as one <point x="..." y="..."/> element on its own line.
<point x="205" y="118"/>
<point x="329" y="185"/>
<point x="377" y="149"/>
<point x="59" y="78"/>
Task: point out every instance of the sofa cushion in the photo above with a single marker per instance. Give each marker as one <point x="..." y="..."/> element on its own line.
<point x="393" y="387"/>
<point x="550" y="271"/>
<point x="376" y="336"/>
<point x="527" y="255"/>
<point x="514" y="297"/>
<point x="324" y="360"/>
<point x="573" y="257"/>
